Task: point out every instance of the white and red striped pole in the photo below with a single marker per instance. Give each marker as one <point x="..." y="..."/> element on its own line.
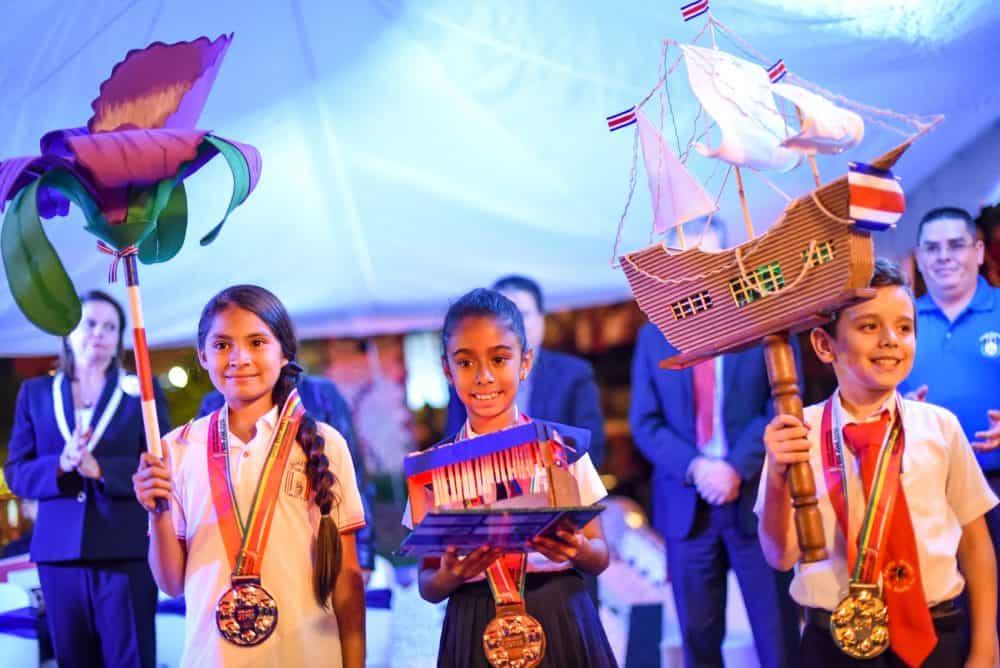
<point x="142" y="366"/>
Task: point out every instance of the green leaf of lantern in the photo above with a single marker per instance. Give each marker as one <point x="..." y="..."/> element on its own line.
<point x="166" y="237"/>
<point x="38" y="281"/>
<point x="241" y="181"/>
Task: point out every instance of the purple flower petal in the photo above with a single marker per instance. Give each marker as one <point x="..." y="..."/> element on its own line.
<point x="54" y="142"/>
<point x="161" y="86"/>
<point x="17" y="173"/>
<point x="141" y="157"/>
<point x="52" y="203"/>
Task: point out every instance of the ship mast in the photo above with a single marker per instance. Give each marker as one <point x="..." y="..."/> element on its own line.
<point x="812" y="158"/>
<point x="743" y="203"/>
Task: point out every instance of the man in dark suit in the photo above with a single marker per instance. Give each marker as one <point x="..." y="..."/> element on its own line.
<point x="702" y="429"/>
<point x="560" y="387"/>
<point x="324" y="402"/>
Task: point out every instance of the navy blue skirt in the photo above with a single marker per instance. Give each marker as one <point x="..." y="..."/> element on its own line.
<point x="574" y="635"/>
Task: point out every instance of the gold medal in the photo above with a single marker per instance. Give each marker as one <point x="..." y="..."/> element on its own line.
<point x="246" y="614"/>
<point x="860" y="624"/>
<point x="513" y="638"/>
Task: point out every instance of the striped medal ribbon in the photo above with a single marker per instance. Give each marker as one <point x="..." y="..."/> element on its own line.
<point x="513" y="638"/>
<point x="247" y="614"/>
<point x="860" y="625"/>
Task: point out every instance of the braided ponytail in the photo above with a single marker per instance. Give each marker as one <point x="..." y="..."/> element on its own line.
<point x="329" y="554"/>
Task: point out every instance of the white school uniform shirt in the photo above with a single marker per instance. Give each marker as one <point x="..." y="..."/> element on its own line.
<point x="588" y="484"/>
<point x="944" y="487"/>
<point x="304" y="630"/>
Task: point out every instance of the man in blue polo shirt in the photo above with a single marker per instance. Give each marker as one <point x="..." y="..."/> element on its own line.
<point x="957" y="364"/>
<point x="958" y="331"/>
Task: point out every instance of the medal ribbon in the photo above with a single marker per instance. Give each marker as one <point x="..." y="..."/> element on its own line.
<point x="506" y="575"/>
<point x="866" y="553"/>
<point x="245" y="541"/>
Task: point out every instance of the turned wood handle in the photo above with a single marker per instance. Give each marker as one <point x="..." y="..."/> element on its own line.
<point x="785" y="392"/>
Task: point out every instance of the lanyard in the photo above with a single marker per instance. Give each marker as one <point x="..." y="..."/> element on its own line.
<point x="246" y="539"/>
<point x="866" y="553"/>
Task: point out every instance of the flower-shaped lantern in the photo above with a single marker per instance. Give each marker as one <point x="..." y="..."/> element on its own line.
<point x="125" y="171"/>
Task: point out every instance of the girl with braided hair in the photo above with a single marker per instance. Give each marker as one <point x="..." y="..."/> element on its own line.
<point x="259" y="493"/>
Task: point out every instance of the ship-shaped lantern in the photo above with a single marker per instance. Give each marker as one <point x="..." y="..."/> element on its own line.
<point x="816" y="258"/>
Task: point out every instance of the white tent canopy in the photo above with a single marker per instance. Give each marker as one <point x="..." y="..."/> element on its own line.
<point x="414" y="150"/>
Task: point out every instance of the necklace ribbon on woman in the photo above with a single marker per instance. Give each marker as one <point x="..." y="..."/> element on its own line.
<point x="102" y="421"/>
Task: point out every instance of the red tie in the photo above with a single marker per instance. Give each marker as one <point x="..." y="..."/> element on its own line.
<point x="911" y="629"/>
<point x="704" y="400"/>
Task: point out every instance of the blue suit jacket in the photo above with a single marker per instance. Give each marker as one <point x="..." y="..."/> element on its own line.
<point x="661" y="416"/>
<point x="563" y="390"/>
<point x="80" y="518"/>
<point x="324" y="402"/>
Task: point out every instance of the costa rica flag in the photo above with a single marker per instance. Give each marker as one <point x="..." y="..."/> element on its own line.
<point x="777" y="71"/>
<point x="694" y="9"/>
<point x="621" y="119"/>
<point x="876" y="198"/>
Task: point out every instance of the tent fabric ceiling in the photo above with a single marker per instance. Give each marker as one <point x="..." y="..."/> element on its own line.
<point x="415" y="150"/>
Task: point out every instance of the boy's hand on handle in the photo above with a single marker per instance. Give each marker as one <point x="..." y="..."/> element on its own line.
<point x="919" y="394"/>
<point x="152" y="481"/>
<point x="989" y="439"/>
<point x="786" y="441"/>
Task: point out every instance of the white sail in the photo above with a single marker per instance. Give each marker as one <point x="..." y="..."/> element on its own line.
<point x="737" y="94"/>
<point x="677" y="196"/>
<point x="824" y="127"/>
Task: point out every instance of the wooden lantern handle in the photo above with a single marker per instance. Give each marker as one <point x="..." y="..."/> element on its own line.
<point x="785" y="391"/>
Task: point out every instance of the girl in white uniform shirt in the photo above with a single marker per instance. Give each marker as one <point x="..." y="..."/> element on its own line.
<point x="309" y="562"/>
<point x="485" y="358"/>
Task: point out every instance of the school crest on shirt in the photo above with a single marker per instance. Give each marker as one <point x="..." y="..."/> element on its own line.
<point x="899" y="575"/>
<point x="296" y="483"/>
<point x="989" y="345"/>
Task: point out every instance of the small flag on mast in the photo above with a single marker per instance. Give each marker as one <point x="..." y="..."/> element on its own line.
<point x="876" y="198"/>
<point x="622" y="119"/>
<point x="777" y="71"/>
<point x="694" y="9"/>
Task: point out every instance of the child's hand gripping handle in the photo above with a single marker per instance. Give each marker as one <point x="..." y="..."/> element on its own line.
<point x="153" y="483"/>
<point x="785" y="391"/>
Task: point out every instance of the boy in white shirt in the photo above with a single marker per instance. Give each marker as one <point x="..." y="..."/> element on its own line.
<point x="928" y="497"/>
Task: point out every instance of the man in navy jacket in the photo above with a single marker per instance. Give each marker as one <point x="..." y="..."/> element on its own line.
<point x="703" y="496"/>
